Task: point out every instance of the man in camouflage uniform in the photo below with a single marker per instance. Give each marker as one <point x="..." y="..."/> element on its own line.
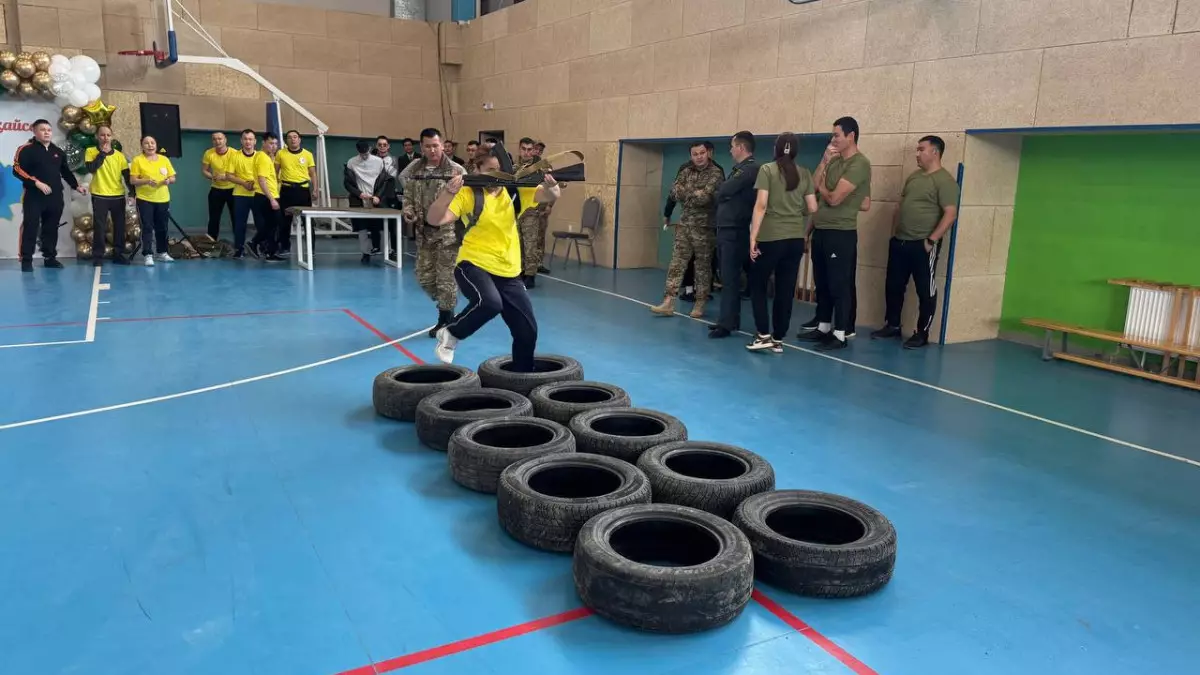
<point x="437" y="247"/>
<point x="694" y="188"/>
<point x="531" y="223"/>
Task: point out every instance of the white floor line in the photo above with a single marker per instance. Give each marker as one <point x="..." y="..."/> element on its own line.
<point x="948" y="392"/>
<point x="215" y="387"/>
<point x="45" y="344"/>
<point x="94" y="308"/>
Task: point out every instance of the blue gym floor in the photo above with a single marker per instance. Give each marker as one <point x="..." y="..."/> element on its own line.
<point x="204" y="488"/>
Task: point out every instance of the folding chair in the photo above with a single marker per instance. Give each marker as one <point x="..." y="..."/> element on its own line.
<point x="589" y="223"/>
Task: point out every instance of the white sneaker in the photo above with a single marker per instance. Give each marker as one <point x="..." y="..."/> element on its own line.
<point x="164" y="257"/>
<point x="445" y="346"/>
<point x="148" y="260"/>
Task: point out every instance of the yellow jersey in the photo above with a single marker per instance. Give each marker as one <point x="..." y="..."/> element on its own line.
<point x="218" y="163"/>
<point x="107" y="181"/>
<point x="159" y="169"/>
<point x="527" y="202"/>
<point x="264" y="167"/>
<point x="491" y="244"/>
<point x="294" y="166"/>
<point x="241" y="165"/>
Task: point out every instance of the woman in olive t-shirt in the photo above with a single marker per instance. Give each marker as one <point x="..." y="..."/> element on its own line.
<point x="785" y="200"/>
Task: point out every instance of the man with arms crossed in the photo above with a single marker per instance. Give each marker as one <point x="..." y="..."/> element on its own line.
<point x="928" y="207"/>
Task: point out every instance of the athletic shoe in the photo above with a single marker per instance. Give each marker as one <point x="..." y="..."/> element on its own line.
<point x="445" y="346"/>
<point x="254" y="248"/>
<point x="831" y="344"/>
<point x="718" y="332"/>
<point x="765" y="343"/>
<point x="271" y="257"/>
<point x="52" y="263"/>
<point x="815" y="335"/>
<point x="885" y="333"/>
<point x="164" y="257"/>
<point x="811" y="324"/>
<point x="148" y="260"/>
<point x="916" y="341"/>
<point x="26" y="265"/>
<point x="543" y="270"/>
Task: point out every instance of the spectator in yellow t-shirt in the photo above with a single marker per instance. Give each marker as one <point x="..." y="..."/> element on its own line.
<point x="268" y="216"/>
<point x="241" y="174"/>
<point x="110" y="172"/>
<point x="214" y="165"/>
<point x="488" y="270"/>
<point x="297" y="183"/>
<point x="151" y="173"/>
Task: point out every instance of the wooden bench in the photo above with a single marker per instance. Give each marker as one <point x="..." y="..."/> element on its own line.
<point x="1171" y="352"/>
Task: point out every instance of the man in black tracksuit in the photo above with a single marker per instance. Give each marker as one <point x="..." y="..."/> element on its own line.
<point x="42" y="168"/>
<point x="735" y="204"/>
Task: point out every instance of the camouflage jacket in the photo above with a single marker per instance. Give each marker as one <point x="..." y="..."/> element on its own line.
<point x="419" y="194"/>
<point x="696" y="189"/>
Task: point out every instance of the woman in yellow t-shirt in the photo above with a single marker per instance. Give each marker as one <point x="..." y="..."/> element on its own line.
<point x="110" y="172"/>
<point x="489" y="263"/>
<point x="150" y="174"/>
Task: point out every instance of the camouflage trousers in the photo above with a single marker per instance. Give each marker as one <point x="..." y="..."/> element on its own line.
<point x="532" y="228"/>
<point x="692" y="241"/>
<point x="435" y="272"/>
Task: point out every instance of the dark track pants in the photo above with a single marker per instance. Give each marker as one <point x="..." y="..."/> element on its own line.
<point x="154" y="226"/>
<point x="219" y="200"/>
<point x="40" y="212"/>
<point x="835" y="264"/>
<point x="290" y="195"/>
<point x="242" y="207"/>
<point x="733" y="252"/>
<point x="102" y="209"/>
<point x="267" y="222"/>
<point x="488" y="295"/>
<point x="781" y="259"/>
<point x="910" y="259"/>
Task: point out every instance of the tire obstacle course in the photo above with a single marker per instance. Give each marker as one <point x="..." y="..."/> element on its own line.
<point x="666" y="534"/>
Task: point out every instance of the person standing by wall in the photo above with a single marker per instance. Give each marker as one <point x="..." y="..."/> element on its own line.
<point x="215" y="167"/>
<point x="437" y="245"/>
<point x="843" y="181"/>
<point x="695" y="187"/>
<point x="268" y="214"/>
<point x="41" y="167"/>
<point x="785" y="200"/>
<point x="241" y="174"/>
<point x="110" y="172"/>
<point x="928" y="207"/>
<point x="151" y="174"/>
<point x="529" y="218"/>
<point x="367" y="186"/>
<point x="735" y="203"/>
<point x="297" y="184"/>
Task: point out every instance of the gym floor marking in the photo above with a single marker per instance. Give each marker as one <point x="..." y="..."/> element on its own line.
<point x="89" y="333"/>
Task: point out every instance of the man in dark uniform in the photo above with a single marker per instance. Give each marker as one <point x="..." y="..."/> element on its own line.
<point x="42" y="168"/>
<point x="735" y="205"/>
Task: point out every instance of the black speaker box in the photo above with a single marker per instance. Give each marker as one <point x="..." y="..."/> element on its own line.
<point x="161" y="120"/>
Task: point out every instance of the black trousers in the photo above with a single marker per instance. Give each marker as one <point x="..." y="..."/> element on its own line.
<point x="267" y="222"/>
<point x="488" y="295"/>
<point x="39" y="220"/>
<point x="835" y="264"/>
<point x="219" y="199"/>
<point x="781" y="259"/>
<point x="242" y="207"/>
<point x="154" y="226"/>
<point x="290" y="195"/>
<point x="910" y="259"/>
<point x="733" y="253"/>
<point x="104" y="208"/>
<point x="374" y="227"/>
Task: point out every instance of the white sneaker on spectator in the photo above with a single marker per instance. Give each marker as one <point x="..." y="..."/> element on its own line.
<point x="445" y="346"/>
<point x="164" y="257"/>
<point x="148" y="260"/>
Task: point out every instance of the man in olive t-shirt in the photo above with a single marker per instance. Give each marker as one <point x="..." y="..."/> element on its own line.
<point x="928" y="207"/>
<point x="843" y="182"/>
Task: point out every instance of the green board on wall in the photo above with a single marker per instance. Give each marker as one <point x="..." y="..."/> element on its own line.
<point x="1090" y="208"/>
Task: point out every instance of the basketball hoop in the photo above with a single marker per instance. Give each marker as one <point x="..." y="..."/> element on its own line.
<point x="155" y="53"/>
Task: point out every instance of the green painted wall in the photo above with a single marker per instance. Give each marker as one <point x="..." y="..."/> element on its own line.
<point x="1091" y="208"/>
<point x="189" y="205"/>
<point x="675" y="154"/>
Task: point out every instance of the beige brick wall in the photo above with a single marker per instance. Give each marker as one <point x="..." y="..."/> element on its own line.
<point x="586" y="73"/>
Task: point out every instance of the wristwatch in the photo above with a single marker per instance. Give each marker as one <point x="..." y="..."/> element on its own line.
<point x="931" y="242"/>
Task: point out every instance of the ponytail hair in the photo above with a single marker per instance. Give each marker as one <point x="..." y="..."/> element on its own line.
<point x="786" y="147"/>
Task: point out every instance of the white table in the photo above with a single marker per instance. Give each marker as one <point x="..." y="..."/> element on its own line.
<point x="305" y="226"/>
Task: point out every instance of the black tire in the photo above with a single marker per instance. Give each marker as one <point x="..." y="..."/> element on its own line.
<point x="441" y="414"/>
<point x="548" y="368"/>
<point x="561" y="401"/>
<point x="663" y="568"/>
<point x="624" y="433"/>
<point x="712" y="477"/>
<point x="397" y="391"/>
<point x="543" y="502"/>
<point x="818" y="544"/>
<point x="480" y="451"/>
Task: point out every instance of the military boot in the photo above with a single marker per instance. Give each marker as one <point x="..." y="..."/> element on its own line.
<point x="667" y="308"/>
<point x="697" y="309"/>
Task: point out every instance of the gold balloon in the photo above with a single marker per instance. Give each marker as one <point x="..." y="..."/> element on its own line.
<point x="135" y="233"/>
<point x="71" y="113"/>
<point x="9" y="80"/>
<point x="47" y="94"/>
<point x="41" y="80"/>
<point x="108" y="236"/>
<point x="86" y="126"/>
<point x="109" y="250"/>
<point x="25" y="89"/>
<point x="7" y="59"/>
<point x="99" y="112"/>
<point x="25" y="55"/>
<point x="132" y="218"/>
<point x="24" y="68"/>
<point x="128" y="247"/>
<point x="78" y="235"/>
<point x="66" y="126"/>
<point x="41" y="61"/>
<point x="84" y="223"/>
<point x="84" y="249"/>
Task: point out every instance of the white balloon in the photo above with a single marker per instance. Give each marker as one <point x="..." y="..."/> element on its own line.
<point x="86" y="66"/>
<point x="60" y="70"/>
<point x="78" y="98"/>
<point x="61" y="101"/>
<point x="64" y="61"/>
<point x="92" y="91"/>
<point x="80" y="205"/>
<point x="78" y="78"/>
<point x="63" y="88"/>
<point x="85" y="179"/>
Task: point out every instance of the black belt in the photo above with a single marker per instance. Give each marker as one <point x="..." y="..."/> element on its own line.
<point x="299" y="185"/>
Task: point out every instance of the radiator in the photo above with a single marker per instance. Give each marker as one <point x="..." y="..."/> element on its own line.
<point x="1149" y="317"/>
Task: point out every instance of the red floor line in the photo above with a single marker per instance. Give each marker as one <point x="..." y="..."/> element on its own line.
<point x="43" y="325"/>
<point x="383" y="336"/>
<point x="809" y="632"/>
<point x="470" y="643"/>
